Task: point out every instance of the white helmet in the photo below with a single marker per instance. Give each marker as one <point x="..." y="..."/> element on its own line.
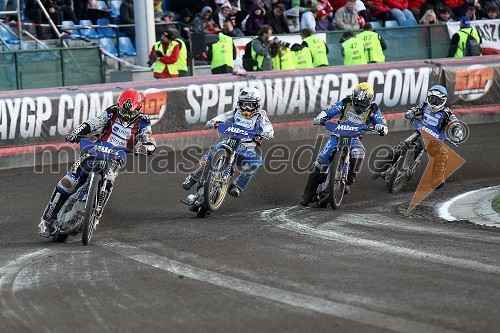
<point x="249" y="101"/>
<point x="436" y="97"/>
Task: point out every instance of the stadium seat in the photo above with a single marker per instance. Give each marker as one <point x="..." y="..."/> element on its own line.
<point x="7" y="34"/>
<point x="26" y="46"/>
<point x="391" y="24"/>
<point x="88" y="31"/>
<point x="69" y="30"/>
<point x="126" y="47"/>
<point x="102" y="5"/>
<point x="115" y="8"/>
<point x="104" y="28"/>
<point x="410" y="23"/>
<point x="107" y="45"/>
<point x="375" y="25"/>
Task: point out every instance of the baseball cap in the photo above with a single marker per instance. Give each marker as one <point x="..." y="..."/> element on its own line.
<point x="465" y="20"/>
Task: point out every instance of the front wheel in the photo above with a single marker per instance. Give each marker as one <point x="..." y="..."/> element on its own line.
<point x="400" y="175"/>
<point x="337" y="181"/>
<point x="216" y="184"/>
<point x="90" y="206"/>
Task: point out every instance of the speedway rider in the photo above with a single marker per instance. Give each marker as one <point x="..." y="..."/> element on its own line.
<point x="250" y="116"/>
<point x="122" y="125"/>
<point x="357" y="109"/>
<point x="434" y="114"/>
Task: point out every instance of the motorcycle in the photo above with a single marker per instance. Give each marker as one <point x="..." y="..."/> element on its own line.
<point x="218" y="174"/>
<point x="82" y="210"/>
<point x="411" y="151"/>
<point x="333" y="188"/>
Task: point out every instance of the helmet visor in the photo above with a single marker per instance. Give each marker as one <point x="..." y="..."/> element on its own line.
<point x="127" y="113"/>
<point x="248" y="106"/>
<point x="436" y="100"/>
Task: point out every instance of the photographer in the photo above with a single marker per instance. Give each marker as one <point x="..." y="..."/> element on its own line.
<point x="264" y="49"/>
<point x="284" y="59"/>
<point x="319" y="49"/>
<point x="164" y="56"/>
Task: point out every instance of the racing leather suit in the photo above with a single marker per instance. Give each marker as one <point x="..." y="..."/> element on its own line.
<point x="135" y="135"/>
<point x="246" y="156"/>
<point x="344" y="108"/>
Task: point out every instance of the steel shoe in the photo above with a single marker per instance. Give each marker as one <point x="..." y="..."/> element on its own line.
<point x="44" y="228"/>
<point x="234" y="190"/>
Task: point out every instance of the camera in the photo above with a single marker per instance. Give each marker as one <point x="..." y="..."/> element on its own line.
<point x="279" y="42"/>
<point x="151" y="61"/>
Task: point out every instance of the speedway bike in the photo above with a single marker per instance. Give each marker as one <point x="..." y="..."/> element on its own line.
<point x="82" y="210"/>
<point x="218" y="171"/>
<point x="410" y="152"/>
<point x="332" y="190"/>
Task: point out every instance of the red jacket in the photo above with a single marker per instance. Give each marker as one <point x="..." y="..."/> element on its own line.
<point x="453" y="4"/>
<point x="399" y="4"/>
<point x="416" y="4"/>
<point x="172" y="59"/>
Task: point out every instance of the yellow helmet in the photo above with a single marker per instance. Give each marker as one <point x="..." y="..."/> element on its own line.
<point x="362" y="96"/>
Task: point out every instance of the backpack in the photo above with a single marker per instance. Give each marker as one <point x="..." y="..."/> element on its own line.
<point x="248" y="62"/>
<point x="472" y="47"/>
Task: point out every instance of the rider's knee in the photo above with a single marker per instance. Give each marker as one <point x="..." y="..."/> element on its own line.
<point x="68" y="184"/>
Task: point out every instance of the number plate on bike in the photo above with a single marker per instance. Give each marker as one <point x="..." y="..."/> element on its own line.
<point x="233" y="143"/>
<point x="345" y="141"/>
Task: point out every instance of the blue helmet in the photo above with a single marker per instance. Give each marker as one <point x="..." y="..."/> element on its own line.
<point x="436" y="97"/>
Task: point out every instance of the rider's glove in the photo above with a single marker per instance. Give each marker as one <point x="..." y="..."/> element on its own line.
<point x="380" y="128"/>
<point x="140" y="149"/>
<point x="75" y="136"/>
<point x="410" y="115"/>
<point x="320" y="121"/>
<point x="458" y="133"/>
<point x="72" y="137"/>
<point x="212" y="124"/>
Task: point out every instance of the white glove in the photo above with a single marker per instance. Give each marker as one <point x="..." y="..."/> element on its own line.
<point x="458" y="133"/>
<point x="380" y="128"/>
<point x="320" y="121"/>
<point x="140" y="149"/>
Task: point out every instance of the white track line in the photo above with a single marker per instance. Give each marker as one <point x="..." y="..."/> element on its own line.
<point x="316" y="304"/>
<point x="444" y="212"/>
<point x="287" y="222"/>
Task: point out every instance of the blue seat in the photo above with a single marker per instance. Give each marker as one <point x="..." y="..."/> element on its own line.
<point x="126" y="47"/>
<point x="70" y="32"/>
<point x="108" y="45"/>
<point x="88" y="31"/>
<point x="391" y="24"/>
<point x="7" y="34"/>
<point x="115" y="8"/>
<point x="375" y="25"/>
<point x="25" y="46"/>
<point x="410" y="23"/>
<point x="104" y="28"/>
<point x="102" y="5"/>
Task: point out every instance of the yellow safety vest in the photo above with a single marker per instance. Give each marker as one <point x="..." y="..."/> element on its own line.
<point x="354" y="52"/>
<point x="373" y="49"/>
<point x="182" y="61"/>
<point x="257" y="57"/>
<point x="303" y="58"/>
<point x="284" y="60"/>
<point x="464" y="33"/>
<point x="159" y="66"/>
<point x="222" y="52"/>
<point x="318" y="50"/>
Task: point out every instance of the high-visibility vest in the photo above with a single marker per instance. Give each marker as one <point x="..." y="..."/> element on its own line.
<point x="373" y="49"/>
<point x="303" y="58"/>
<point x="257" y="57"/>
<point x="222" y="52"/>
<point x="318" y="50"/>
<point x="354" y="52"/>
<point x="159" y="66"/>
<point x="182" y="61"/>
<point x="284" y="60"/>
<point x="463" y="34"/>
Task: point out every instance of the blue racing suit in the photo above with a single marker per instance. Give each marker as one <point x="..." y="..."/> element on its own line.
<point x="246" y="157"/>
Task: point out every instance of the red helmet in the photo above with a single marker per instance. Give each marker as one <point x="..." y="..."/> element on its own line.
<point x="129" y="104"/>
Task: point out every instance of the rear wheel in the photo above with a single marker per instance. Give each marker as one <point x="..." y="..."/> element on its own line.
<point x="337" y="182"/>
<point x="400" y="175"/>
<point x="90" y="206"/>
<point x="216" y="185"/>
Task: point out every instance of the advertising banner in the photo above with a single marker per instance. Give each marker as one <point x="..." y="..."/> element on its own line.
<point x="489" y="30"/>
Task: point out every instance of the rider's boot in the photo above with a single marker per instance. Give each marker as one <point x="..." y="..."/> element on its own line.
<point x="57" y="199"/>
<point x="188" y="183"/>
<point x="312" y="185"/>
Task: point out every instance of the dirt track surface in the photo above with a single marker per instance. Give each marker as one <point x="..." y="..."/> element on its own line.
<point x="261" y="263"/>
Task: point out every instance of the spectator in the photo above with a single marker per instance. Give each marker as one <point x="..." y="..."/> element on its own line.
<point x="277" y="20"/>
<point x="322" y="22"/>
<point x="400" y="11"/>
<point x="346" y="18"/>
<point x="436" y="5"/>
<point x="414" y="7"/>
<point x="262" y="50"/>
<point x="158" y="11"/>
<point x="462" y="10"/>
<point x="319" y="49"/>
<point x="471" y="13"/>
<point x="186" y="19"/>
<point x="378" y="9"/>
<point x="164" y="55"/>
<point x="127" y="17"/>
<point x="222" y="54"/>
<point x="485" y="6"/>
<point x="255" y="20"/>
<point x="221" y="14"/>
<point x="453" y="5"/>
<point x="364" y="14"/>
<point x="81" y="8"/>
<point x="445" y="15"/>
<point x="459" y="38"/>
<point x="292" y="17"/>
<point x="302" y="56"/>
<point x="34" y="13"/>
<point x="353" y="50"/>
<point x="239" y="14"/>
<point x="203" y="22"/>
<point x="492" y="13"/>
<point x="65" y="10"/>
<point x="374" y="44"/>
<point x="429" y="18"/>
<point x="308" y="20"/>
<point x="229" y="27"/>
